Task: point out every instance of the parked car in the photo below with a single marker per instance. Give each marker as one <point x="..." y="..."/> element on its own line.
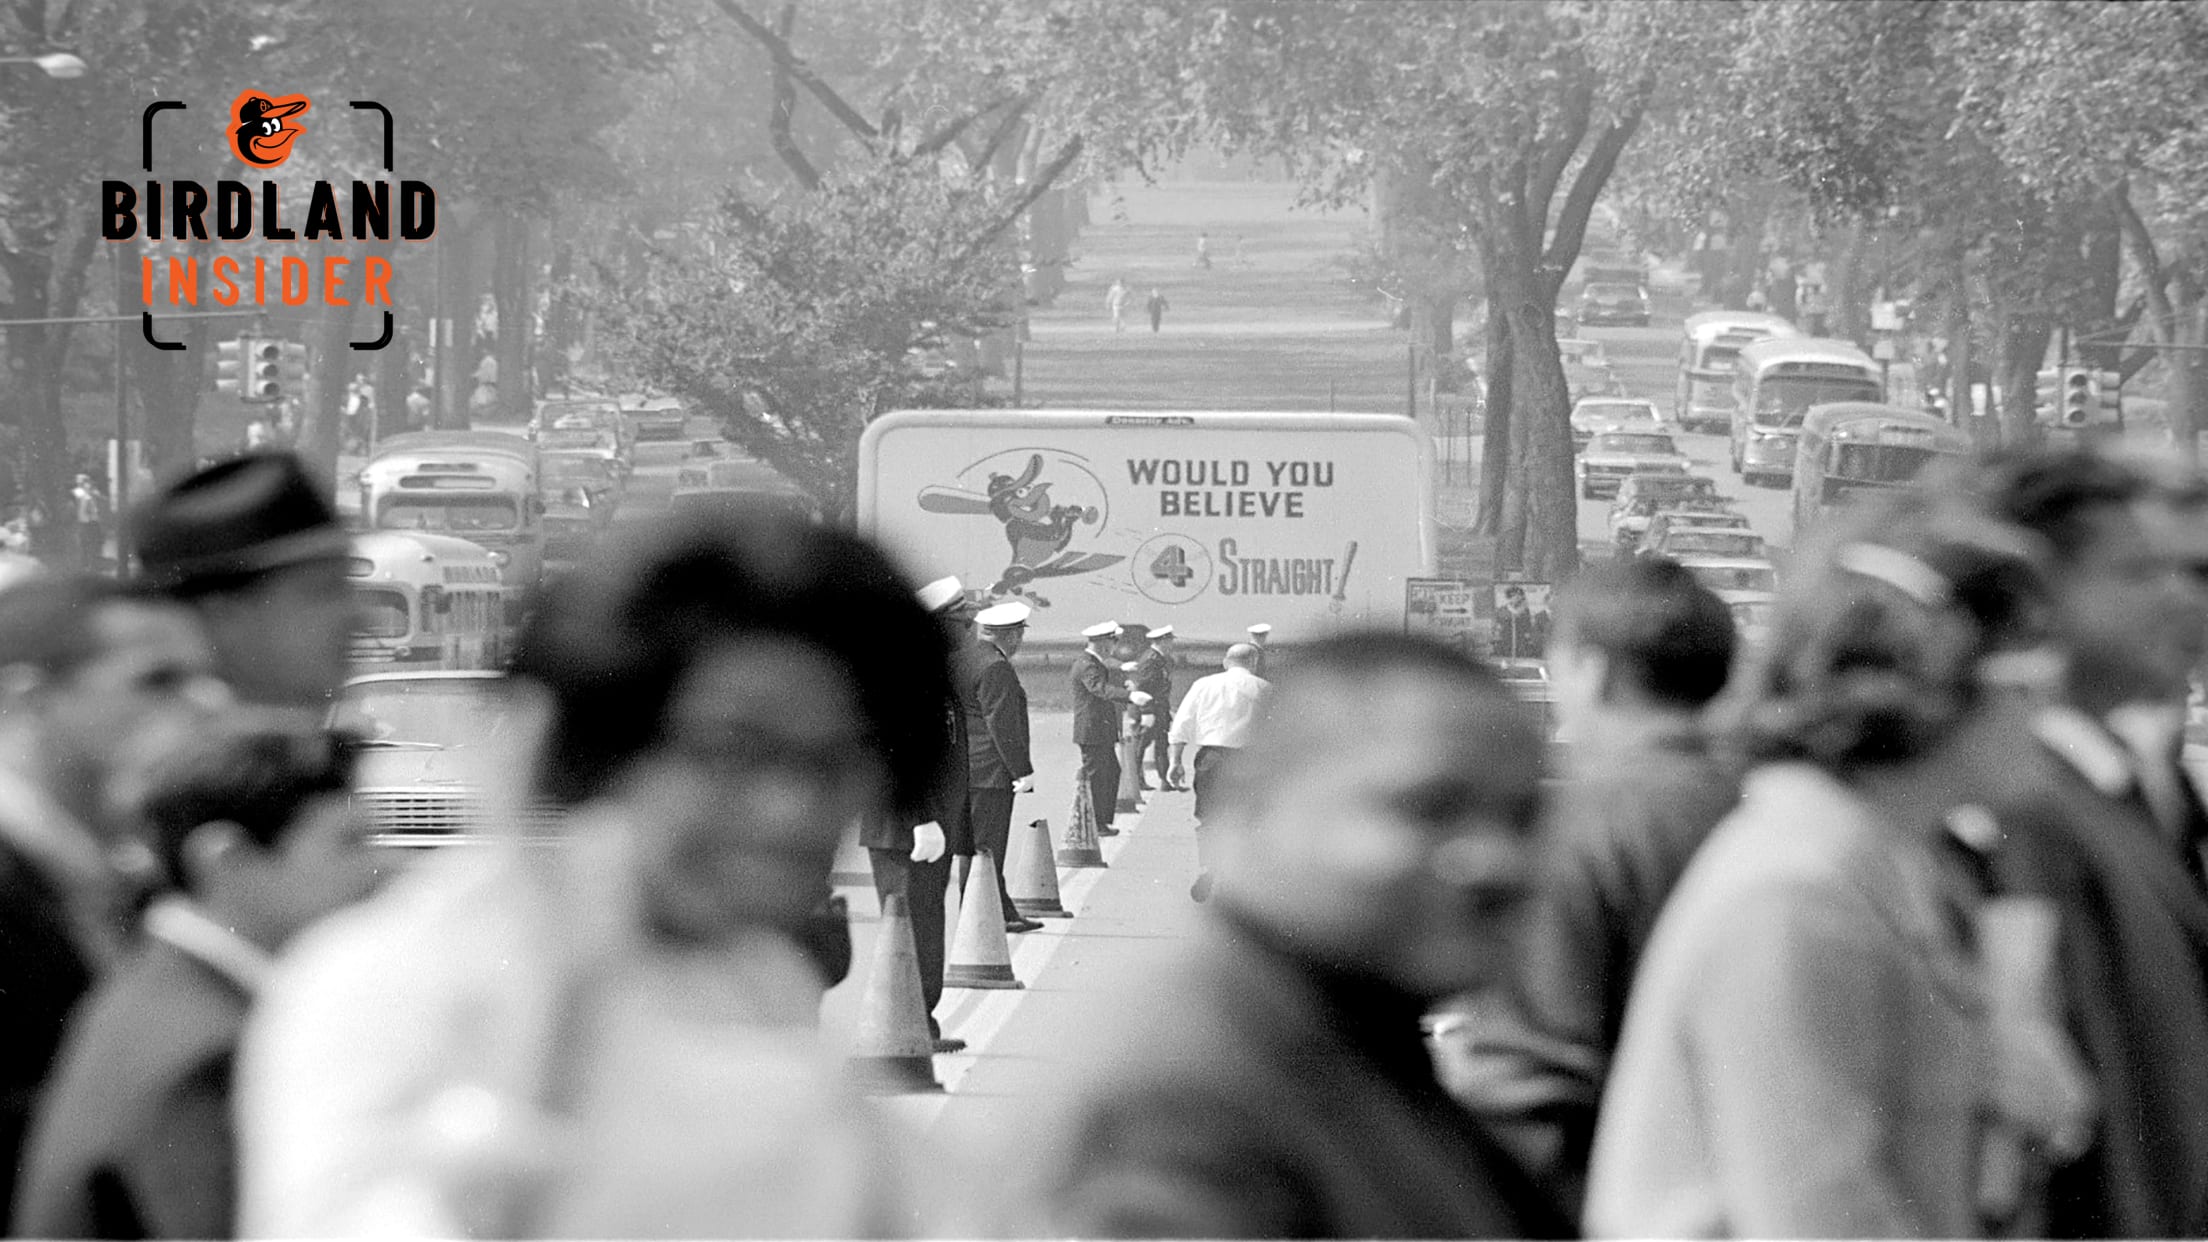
<point x="1642" y="496"/>
<point x="1614" y="304"/>
<point x="1736" y="579"/>
<point x="1612" y="456"/>
<point x="1591" y="415"/>
<point x="1666" y="521"/>
<point x="657" y="418"/>
<point x="1682" y="542"/>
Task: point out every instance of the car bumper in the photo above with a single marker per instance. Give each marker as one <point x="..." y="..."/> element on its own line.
<point x="1767" y="455"/>
<point x="1602" y="485"/>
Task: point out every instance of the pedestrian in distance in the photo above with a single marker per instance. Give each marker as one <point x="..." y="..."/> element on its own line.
<point x="999" y="767"/>
<point x="1156" y="305"/>
<point x="613" y="1031"/>
<point x="1115" y="304"/>
<point x="246" y="816"/>
<point x="1373" y="845"/>
<point x="91" y="513"/>
<point x="1100" y="693"/>
<point x="88" y="673"/>
<point x="1639" y="651"/>
<point x="1521" y="631"/>
<point x="1154" y="677"/>
<point x="914" y="860"/>
<point x="253" y="545"/>
<point x="1203" y="249"/>
<point x="1839" y="1026"/>
<point x="1215" y="717"/>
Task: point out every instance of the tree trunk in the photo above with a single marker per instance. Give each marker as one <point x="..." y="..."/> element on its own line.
<point x="2023" y="344"/>
<point x="1849" y="296"/>
<point x="1545" y="548"/>
<point x="330" y="365"/>
<point x="456" y="237"/>
<point x="167" y="384"/>
<point x="1495" y="453"/>
<point x="510" y="292"/>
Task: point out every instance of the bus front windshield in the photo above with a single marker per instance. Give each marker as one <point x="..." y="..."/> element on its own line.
<point x="1781" y="400"/>
<point x="454" y="514"/>
<point x="382" y="612"/>
<point x="1878" y="463"/>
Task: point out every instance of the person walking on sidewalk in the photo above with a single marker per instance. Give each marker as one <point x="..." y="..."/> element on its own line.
<point x="997" y="765"/>
<point x="1157" y="306"/>
<point x="1154" y="677"/>
<point x="913" y="860"/>
<point x="1115" y="304"/>
<point x="1215" y="717"/>
<point x="1098" y="692"/>
<point x="1203" y="249"/>
<point x="1374" y="846"/>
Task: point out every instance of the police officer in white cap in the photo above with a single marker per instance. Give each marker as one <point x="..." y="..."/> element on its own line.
<point x="997" y="765"/>
<point x="1260" y="634"/>
<point x="1099" y="690"/>
<point x="1154" y="677"/>
<point x="914" y="860"/>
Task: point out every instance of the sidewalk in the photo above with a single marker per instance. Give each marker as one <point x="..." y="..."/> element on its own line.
<point x="997" y="1116"/>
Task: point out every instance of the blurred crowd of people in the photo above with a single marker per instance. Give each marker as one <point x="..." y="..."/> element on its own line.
<point x="1894" y="926"/>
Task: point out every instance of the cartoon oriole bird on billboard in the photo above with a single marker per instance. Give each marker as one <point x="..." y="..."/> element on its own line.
<point x="1038" y="530"/>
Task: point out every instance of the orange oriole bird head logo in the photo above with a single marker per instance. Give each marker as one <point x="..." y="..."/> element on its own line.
<point x="262" y="137"/>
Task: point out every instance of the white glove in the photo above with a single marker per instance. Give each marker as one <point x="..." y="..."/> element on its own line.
<point x="1025" y="784"/>
<point x="1138" y="697"/>
<point x="927" y="842"/>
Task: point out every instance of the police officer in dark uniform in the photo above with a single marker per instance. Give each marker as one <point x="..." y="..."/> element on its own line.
<point x="1100" y="691"/>
<point x="998" y="767"/>
<point x="1154" y="677"/>
<point x="914" y="860"/>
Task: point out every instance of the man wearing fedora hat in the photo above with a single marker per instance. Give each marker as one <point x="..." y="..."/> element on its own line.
<point x="915" y="859"/>
<point x="254" y="545"/>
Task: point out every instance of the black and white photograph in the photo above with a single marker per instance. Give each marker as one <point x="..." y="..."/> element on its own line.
<point x="960" y="619"/>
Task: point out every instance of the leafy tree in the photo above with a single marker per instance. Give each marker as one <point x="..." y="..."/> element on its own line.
<point x="818" y="310"/>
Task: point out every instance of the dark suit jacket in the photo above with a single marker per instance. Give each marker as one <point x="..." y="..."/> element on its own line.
<point x="2132" y="957"/>
<point x="43" y="975"/>
<point x="996" y="719"/>
<point x="1279" y="1103"/>
<point x="134" y="1139"/>
<point x="1154" y="676"/>
<point x="1099" y="691"/>
<point x="947" y="807"/>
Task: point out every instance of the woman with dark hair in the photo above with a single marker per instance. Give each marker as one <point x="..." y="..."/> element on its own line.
<point x="1834" y="1031"/>
<point x="612" y="1033"/>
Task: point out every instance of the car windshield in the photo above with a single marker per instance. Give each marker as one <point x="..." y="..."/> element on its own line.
<point x="571" y="437"/>
<point x="431" y="713"/>
<point x="1678" y="489"/>
<point x="450" y="513"/>
<point x="1781" y="400"/>
<point x="1633" y="444"/>
<point x="1713" y="543"/>
<point x="583" y="469"/>
<point x="1879" y="463"/>
<point x="1615" y="293"/>
<point x="1614" y="411"/>
<point x="1736" y="577"/>
<point x="380" y="612"/>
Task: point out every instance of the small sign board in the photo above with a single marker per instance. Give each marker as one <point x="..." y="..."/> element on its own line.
<point x="1447" y="609"/>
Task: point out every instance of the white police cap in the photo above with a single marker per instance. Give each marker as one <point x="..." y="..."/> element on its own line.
<point x="1102" y="629"/>
<point x="1003" y="616"/>
<point x="1261" y="628"/>
<point x="941" y="594"/>
<point x="1163" y="631"/>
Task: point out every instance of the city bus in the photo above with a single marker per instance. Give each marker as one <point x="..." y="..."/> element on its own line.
<point x="479" y="485"/>
<point x="1710" y="342"/>
<point x="1775" y="381"/>
<point x="1850" y="446"/>
<point x="427" y="602"/>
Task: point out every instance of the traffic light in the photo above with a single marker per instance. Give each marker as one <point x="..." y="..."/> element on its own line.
<point x="230" y="366"/>
<point x="264" y="376"/>
<point x="2079" y="404"/>
<point x="292" y="366"/>
<point x="2108" y="389"/>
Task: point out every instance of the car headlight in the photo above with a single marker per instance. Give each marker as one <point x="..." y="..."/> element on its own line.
<point x="499" y="557"/>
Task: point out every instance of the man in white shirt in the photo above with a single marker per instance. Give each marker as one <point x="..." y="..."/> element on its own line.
<point x="1215" y="717"/>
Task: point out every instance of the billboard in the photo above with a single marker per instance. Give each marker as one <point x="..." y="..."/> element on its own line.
<point x="1211" y="522"/>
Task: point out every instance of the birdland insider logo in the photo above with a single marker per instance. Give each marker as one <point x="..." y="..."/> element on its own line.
<point x="262" y="130"/>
